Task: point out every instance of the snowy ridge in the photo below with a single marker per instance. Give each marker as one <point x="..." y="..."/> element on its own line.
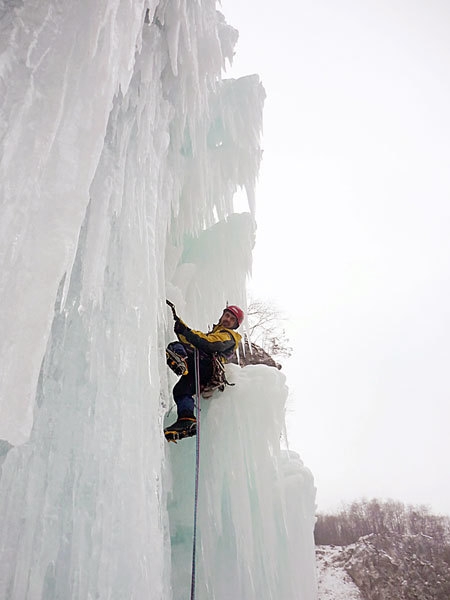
<point x="117" y="177"/>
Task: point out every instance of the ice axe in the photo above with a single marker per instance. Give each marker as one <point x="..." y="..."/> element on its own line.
<point x="172" y="307"/>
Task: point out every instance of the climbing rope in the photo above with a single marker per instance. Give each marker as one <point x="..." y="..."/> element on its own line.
<point x="197" y="470"/>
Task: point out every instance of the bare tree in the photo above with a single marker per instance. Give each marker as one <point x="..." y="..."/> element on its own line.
<point x="265" y="328"/>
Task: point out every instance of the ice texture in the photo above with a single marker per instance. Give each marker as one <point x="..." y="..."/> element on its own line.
<point x="121" y="148"/>
<point x="256" y="502"/>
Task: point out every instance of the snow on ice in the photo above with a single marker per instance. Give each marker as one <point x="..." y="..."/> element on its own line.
<point x="121" y="150"/>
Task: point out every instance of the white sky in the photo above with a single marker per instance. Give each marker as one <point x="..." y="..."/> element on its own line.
<point x="353" y="236"/>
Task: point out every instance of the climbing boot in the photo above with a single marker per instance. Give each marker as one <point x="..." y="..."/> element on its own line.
<point x="182" y="428"/>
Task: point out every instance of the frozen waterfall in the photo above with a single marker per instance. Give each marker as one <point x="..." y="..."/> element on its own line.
<point x="121" y="148"/>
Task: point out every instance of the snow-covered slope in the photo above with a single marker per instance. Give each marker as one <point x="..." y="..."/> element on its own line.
<point x="121" y="149"/>
<point x="333" y="581"/>
<point x="388" y="566"/>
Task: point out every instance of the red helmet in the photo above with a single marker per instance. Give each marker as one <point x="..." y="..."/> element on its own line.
<point x="236" y="311"/>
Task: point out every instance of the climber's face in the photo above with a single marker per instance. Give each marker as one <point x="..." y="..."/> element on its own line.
<point x="228" y="320"/>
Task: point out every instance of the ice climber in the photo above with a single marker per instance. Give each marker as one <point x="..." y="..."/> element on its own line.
<point x="215" y="348"/>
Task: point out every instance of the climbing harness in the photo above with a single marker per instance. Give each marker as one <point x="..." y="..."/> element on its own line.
<point x="197" y="470"/>
<point x="218" y="380"/>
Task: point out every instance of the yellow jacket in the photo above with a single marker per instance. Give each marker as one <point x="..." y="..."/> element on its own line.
<point x="221" y="339"/>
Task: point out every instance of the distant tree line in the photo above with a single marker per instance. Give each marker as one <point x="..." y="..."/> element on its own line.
<point x="391" y="551"/>
<point x="380" y="517"/>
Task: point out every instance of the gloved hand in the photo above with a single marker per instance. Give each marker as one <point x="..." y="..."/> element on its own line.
<point x="179" y="327"/>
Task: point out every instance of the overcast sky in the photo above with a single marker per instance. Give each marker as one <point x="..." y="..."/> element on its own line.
<point x="353" y="241"/>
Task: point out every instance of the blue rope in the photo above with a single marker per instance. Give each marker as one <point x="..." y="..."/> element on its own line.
<point x="197" y="470"/>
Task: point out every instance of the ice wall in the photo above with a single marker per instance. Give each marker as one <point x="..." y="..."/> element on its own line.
<point x="256" y="500"/>
<point x="61" y="66"/>
<point x="121" y="149"/>
<point x="256" y="503"/>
